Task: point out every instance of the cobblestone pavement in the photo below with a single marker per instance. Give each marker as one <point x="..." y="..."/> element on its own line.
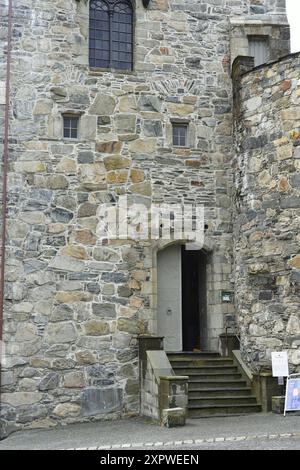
<point x="251" y="431"/>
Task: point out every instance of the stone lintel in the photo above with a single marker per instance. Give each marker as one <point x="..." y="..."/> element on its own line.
<point x="263" y="20"/>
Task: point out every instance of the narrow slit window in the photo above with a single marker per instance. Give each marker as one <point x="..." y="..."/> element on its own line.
<point x="71" y="125"/>
<point x="180" y="132"/>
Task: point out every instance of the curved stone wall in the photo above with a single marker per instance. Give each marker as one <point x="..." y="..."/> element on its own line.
<point x="267" y="204"/>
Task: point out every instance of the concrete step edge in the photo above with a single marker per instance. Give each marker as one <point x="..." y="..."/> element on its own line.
<point x="199" y="407"/>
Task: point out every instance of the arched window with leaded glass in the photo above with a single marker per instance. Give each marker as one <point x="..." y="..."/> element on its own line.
<point x="111" y="34"/>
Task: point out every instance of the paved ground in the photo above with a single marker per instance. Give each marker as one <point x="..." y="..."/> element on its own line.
<point x="288" y="443"/>
<point x="251" y="430"/>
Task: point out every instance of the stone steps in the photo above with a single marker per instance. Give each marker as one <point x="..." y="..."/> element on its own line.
<point x="202" y="384"/>
<point x="174" y="356"/>
<point x="197" y="376"/>
<point x="221" y="410"/>
<point x="222" y="400"/>
<point x="216" y="387"/>
<point x="181" y="362"/>
<point x="219" y="392"/>
<point x="208" y="370"/>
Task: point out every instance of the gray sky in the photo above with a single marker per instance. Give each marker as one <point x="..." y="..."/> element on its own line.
<point x="293" y="11"/>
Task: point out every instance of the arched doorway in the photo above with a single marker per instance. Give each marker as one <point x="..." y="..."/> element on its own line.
<point x="182" y="298"/>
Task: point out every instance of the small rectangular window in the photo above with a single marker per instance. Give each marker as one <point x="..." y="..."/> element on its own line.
<point x="258" y="48"/>
<point x="180" y="132"/>
<point x="71" y="125"/>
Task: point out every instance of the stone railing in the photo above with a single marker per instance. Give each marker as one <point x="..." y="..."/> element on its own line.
<point x="163" y="395"/>
<point x="263" y="385"/>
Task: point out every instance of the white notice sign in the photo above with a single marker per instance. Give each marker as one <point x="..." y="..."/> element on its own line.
<point x="280" y="364"/>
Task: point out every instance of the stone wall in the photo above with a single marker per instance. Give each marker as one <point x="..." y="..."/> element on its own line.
<point x="3" y="40"/>
<point x="162" y="392"/>
<point x="262" y="7"/>
<point x="156" y="365"/>
<point x="274" y="28"/>
<point x="276" y="34"/>
<point x="73" y="306"/>
<point x="267" y="221"/>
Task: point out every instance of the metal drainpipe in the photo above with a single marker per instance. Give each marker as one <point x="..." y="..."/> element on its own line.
<point x="5" y="169"/>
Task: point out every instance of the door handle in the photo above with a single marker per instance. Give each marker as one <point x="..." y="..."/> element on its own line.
<point x="169" y="311"/>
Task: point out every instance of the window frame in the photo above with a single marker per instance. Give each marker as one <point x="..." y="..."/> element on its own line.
<point x="184" y="125"/>
<point x="111" y="5"/>
<point x="252" y="38"/>
<point x="74" y="117"/>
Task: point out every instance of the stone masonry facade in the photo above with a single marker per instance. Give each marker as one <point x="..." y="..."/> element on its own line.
<point x="267" y="213"/>
<point x="74" y="306"/>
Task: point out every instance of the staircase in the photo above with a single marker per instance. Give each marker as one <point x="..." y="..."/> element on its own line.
<point x="216" y="387"/>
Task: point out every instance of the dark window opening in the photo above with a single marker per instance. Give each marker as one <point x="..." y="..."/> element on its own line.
<point x="180" y="135"/>
<point x="71" y="125"/>
<point x="111" y="34"/>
